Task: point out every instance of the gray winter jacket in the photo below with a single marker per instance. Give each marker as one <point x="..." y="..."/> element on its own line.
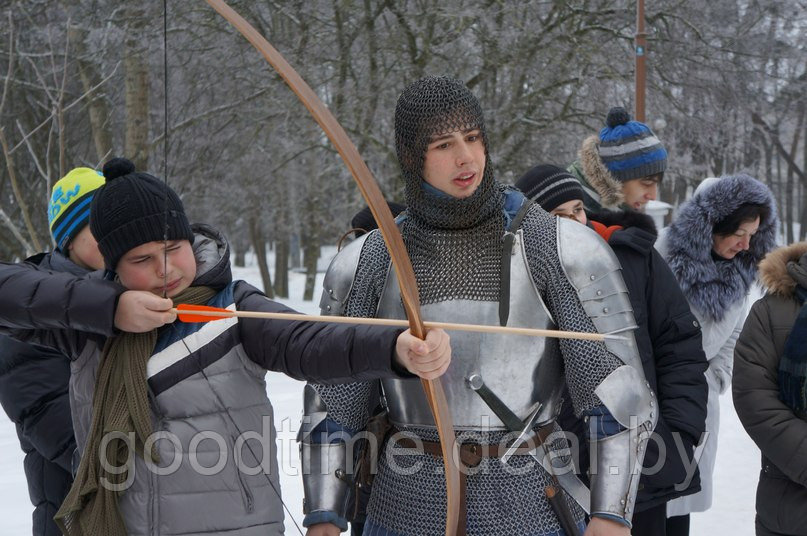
<point x="213" y="422"/>
<point x="780" y="434"/>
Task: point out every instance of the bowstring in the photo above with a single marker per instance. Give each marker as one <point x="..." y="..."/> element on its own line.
<point x="165" y="148"/>
<point x="165" y="262"/>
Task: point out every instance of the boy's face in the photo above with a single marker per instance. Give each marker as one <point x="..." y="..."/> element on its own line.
<point x="638" y="192"/>
<point x="83" y="250"/>
<point x="455" y="162"/>
<point x="162" y="268"/>
<point x="573" y="210"/>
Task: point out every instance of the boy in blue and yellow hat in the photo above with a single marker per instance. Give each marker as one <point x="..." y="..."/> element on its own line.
<point x="34" y="379"/>
<point x="69" y="217"/>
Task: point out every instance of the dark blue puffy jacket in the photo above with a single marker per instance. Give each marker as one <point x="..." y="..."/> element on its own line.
<point x="34" y="394"/>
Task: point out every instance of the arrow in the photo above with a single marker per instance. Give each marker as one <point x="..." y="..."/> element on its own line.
<point x="205" y="313"/>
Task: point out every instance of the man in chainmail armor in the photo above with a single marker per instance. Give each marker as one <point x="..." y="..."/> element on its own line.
<point x="481" y="254"/>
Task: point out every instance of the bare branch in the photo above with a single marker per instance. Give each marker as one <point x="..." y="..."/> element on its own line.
<point x="6" y="84"/>
<point x="66" y="108"/>
<point x="32" y="152"/>
<point x="12" y="174"/>
<point x="29" y="250"/>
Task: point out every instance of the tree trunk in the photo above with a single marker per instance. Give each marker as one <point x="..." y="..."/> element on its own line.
<point x="282" y="268"/>
<point x="97" y="103"/>
<point x="803" y="222"/>
<point x="310" y="258"/>
<point x="259" y="244"/>
<point x="136" y="84"/>
<point x="15" y="186"/>
<point x="294" y="251"/>
<point x="239" y="259"/>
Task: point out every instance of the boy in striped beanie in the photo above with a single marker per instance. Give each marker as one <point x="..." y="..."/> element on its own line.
<point x="622" y="166"/>
<point x="69" y="217"/>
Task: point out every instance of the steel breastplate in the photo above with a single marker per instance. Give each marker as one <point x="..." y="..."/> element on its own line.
<point x="521" y="370"/>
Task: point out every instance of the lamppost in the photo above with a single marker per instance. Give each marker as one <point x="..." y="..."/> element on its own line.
<point x="640" y="41"/>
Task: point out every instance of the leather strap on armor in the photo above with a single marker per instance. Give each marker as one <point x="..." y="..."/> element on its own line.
<point x="507" y="251"/>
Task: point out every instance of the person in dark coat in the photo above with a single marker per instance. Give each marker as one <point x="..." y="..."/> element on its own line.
<point x="668" y="337"/>
<point x="769" y="383"/>
<point x="34" y="379"/>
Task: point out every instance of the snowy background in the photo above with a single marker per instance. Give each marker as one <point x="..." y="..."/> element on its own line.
<point x="736" y="472"/>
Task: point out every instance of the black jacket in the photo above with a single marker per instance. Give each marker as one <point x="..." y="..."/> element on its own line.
<point x="34" y="394"/>
<point x="669" y="341"/>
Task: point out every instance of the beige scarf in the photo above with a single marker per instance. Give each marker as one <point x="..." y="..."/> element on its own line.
<point x="120" y="404"/>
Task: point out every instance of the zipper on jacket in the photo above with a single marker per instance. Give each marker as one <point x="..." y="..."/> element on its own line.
<point x="246" y="492"/>
<point x="154" y="503"/>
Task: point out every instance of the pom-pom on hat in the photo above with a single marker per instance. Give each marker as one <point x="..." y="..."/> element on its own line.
<point x="629" y="149"/>
<point x="69" y="206"/>
<point x="132" y="209"/>
<point x="550" y="186"/>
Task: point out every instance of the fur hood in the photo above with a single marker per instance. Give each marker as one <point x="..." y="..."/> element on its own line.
<point x="784" y="268"/>
<point x="597" y="175"/>
<point x="713" y="287"/>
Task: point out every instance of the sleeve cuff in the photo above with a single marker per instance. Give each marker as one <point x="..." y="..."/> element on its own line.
<point x="315" y="518"/>
<point x="612" y="517"/>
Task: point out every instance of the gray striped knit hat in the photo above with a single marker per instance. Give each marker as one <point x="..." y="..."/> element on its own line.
<point x="629" y="149"/>
<point x="549" y="186"/>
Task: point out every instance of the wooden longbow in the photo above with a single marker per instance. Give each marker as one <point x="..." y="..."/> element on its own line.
<point x="386" y="224"/>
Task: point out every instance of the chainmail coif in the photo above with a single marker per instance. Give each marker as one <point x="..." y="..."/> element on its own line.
<point x="463" y="236"/>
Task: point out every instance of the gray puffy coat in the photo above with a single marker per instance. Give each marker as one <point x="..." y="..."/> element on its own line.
<point x="780" y="434"/>
<point x="207" y="390"/>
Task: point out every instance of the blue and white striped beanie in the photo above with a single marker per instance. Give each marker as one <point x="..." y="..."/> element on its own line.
<point x="629" y="149"/>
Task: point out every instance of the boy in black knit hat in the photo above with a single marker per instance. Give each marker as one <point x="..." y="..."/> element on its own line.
<point x="159" y="391"/>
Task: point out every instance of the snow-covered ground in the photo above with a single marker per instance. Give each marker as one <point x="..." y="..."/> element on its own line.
<point x="735" y="475"/>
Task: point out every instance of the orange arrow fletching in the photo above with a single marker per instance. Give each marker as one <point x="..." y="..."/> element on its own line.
<point x="201" y="313"/>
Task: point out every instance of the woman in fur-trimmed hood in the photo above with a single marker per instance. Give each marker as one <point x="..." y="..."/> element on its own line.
<point x="713" y="248"/>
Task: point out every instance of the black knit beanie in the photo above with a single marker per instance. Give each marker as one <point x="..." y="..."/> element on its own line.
<point x="132" y="209"/>
<point x="549" y="186"/>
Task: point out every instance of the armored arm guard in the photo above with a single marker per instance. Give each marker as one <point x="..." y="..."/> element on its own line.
<point x="324" y="457"/>
<point x="326" y="484"/>
<point x="594" y="271"/>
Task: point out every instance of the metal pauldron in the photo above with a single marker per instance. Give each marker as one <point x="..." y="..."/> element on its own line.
<point x="326" y="484"/>
<point x="595" y="273"/>
<point x="339" y="278"/>
<point x="615" y="477"/>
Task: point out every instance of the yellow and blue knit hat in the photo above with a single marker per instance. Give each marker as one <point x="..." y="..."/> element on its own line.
<point x="69" y="207"/>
